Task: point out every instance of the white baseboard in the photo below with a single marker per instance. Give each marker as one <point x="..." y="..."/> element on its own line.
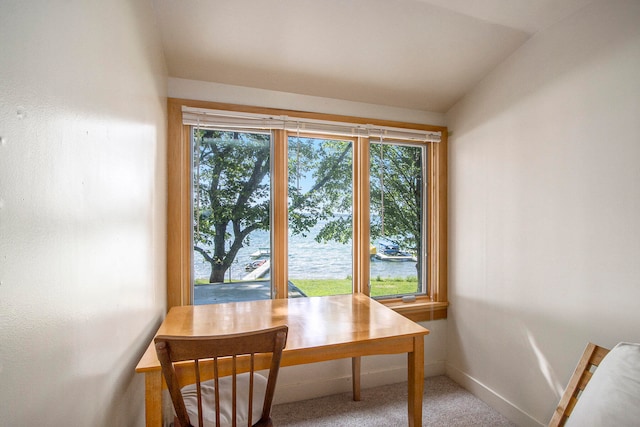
<point x="491" y="398"/>
<point x="313" y="387"/>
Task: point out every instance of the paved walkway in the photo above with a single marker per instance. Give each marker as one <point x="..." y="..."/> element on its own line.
<point x="238" y="291"/>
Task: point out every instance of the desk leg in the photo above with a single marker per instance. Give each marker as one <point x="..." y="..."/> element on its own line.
<point x="355" y="377"/>
<point x="415" y="362"/>
<point x="153" y="398"/>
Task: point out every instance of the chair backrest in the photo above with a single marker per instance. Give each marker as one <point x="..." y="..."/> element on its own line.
<point x="591" y="358"/>
<point x="224" y="355"/>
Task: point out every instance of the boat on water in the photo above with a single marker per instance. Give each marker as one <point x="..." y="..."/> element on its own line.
<point x="393" y="253"/>
<point x="254" y="264"/>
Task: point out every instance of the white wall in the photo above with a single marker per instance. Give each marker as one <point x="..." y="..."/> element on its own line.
<point x="82" y="209"/>
<point x="544" y="211"/>
<point x="319" y="379"/>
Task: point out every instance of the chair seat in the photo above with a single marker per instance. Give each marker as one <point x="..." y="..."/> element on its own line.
<point x="242" y="403"/>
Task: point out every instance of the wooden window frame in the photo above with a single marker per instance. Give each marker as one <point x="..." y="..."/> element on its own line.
<point x="179" y="251"/>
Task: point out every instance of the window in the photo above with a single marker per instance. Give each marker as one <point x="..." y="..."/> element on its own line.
<point x="320" y="199"/>
<point x="328" y="204"/>
<point x="231" y="212"/>
<point x="398" y="178"/>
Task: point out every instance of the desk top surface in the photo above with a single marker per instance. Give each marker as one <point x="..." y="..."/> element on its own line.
<point x="313" y="322"/>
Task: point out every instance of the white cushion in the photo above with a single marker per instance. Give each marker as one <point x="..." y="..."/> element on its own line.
<point x="242" y="400"/>
<point x="612" y="396"/>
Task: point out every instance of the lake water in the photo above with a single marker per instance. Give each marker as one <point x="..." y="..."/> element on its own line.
<point x="308" y="259"/>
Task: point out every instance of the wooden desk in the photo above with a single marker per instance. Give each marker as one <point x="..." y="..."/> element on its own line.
<point x="320" y="329"/>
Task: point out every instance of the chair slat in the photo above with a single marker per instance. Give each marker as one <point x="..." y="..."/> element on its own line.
<point x="199" y="393"/>
<point x="251" y="371"/>
<point x="217" y="390"/>
<point x="584" y="379"/>
<point x="234" y="394"/>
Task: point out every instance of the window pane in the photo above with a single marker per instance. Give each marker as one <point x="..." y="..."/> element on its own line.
<point x="398" y="211"/>
<point x="231" y="208"/>
<point x="320" y="216"/>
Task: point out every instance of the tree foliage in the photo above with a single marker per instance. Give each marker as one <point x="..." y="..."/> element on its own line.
<point x="324" y="168"/>
<point x="396" y="194"/>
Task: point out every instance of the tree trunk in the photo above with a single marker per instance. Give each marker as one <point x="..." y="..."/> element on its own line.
<point x="217" y="273"/>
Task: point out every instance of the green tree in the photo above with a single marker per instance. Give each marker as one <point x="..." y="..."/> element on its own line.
<point x="232" y="192"/>
<point x="396" y="194"/>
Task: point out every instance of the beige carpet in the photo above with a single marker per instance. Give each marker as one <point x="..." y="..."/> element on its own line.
<point x="445" y="404"/>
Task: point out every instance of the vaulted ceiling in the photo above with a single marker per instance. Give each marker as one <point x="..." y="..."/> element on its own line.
<point x="418" y="54"/>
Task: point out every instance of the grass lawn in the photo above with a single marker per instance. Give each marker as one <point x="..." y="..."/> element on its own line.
<point x="379" y="286"/>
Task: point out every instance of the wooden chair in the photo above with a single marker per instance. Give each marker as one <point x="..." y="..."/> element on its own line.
<point x="589" y="361"/>
<point x="229" y="399"/>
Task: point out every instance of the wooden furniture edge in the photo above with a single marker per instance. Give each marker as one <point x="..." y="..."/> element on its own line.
<point x="421" y="310"/>
<point x="592" y="356"/>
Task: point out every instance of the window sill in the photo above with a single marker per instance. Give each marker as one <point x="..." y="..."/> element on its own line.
<point x="420" y="310"/>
